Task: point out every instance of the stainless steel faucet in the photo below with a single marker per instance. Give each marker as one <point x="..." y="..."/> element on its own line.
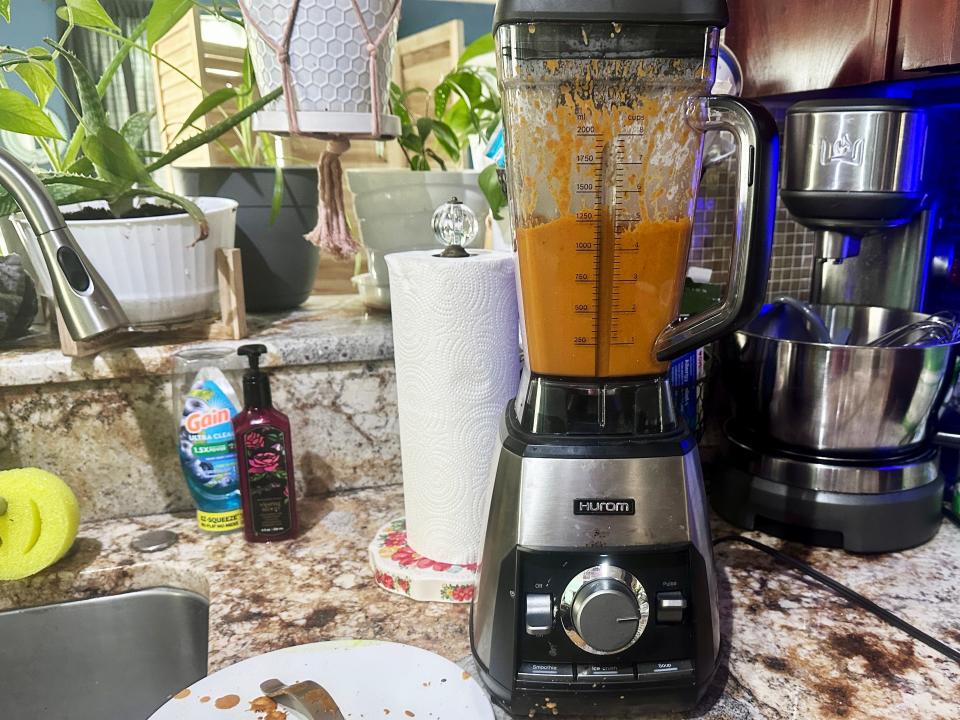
<point x="86" y="303"/>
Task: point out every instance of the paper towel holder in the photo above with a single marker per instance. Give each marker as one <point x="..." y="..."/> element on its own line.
<point x="455" y="226"/>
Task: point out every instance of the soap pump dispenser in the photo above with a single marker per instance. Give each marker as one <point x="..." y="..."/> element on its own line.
<point x="265" y="458"/>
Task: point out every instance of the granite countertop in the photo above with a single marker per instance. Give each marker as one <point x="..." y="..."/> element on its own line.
<point x="790" y="649"/>
<point x="326" y="329"/>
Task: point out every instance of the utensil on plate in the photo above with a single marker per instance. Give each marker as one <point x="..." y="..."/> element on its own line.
<point x="307" y="697"/>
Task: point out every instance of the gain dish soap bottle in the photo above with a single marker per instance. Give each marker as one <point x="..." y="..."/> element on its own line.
<point x="207" y="402"/>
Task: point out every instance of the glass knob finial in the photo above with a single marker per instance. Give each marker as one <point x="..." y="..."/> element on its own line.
<point x="455" y="226"/>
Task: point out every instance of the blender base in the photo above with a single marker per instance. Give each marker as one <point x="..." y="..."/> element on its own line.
<point x="862" y="522"/>
<point x="596" y="591"/>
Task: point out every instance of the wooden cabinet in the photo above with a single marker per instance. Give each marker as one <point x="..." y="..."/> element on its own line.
<point x="786" y="46"/>
<point x="928" y="35"/>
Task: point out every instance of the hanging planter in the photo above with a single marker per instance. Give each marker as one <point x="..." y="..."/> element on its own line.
<point x="334" y="82"/>
<point x="334" y="60"/>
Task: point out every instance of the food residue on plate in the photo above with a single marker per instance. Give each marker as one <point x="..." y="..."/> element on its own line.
<point x="263" y="704"/>
<point x="409" y="713"/>
<point x="205" y="699"/>
<point x="466" y="675"/>
<point x="226" y="702"/>
<point x="182" y="694"/>
<point x="275" y="715"/>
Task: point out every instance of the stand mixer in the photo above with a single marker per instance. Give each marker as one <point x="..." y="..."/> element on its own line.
<point x="596" y="589"/>
<point x="855" y="173"/>
<point x="833" y="443"/>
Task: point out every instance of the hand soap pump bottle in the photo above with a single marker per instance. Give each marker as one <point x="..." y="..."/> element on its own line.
<point x="265" y="458"/>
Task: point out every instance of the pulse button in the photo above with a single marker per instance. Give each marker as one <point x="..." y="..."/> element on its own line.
<point x="670" y="607"/>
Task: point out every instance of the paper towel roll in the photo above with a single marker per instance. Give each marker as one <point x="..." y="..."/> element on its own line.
<point x="455" y="332"/>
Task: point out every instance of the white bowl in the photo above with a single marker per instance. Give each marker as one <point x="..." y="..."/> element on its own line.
<point x="395" y="209"/>
<point x="155" y="266"/>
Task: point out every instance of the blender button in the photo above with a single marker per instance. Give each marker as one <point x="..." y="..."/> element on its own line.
<point x="539" y="615"/>
<point x="605" y="673"/>
<point x="665" y="671"/>
<point x="670" y="607"/>
<point x="545" y="672"/>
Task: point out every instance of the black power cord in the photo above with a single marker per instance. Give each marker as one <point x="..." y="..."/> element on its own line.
<point x="851" y="595"/>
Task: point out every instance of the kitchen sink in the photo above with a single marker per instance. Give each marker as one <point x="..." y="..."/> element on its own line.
<point x="116" y="658"/>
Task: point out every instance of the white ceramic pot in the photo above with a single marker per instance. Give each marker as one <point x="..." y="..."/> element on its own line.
<point x="155" y="266"/>
<point x="395" y="209"/>
<point x="329" y="64"/>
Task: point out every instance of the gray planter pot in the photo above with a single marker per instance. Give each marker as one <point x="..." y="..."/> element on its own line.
<point x="279" y="266"/>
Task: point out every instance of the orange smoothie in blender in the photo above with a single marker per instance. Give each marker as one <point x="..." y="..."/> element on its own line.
<point x="565" y="335"/>
<point x="604" y="177"/>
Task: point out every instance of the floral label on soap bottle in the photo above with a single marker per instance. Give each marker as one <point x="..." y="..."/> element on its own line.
<point x="266" y="461"/>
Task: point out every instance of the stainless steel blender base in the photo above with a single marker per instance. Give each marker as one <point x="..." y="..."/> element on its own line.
<point x="866" y="508"/>
<point x="596" y="591"/>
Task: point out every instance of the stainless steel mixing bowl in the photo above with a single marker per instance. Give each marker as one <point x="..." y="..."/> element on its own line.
<point x="842" y="400"/>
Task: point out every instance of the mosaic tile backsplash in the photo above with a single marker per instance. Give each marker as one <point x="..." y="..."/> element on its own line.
<point x="793" y="245"/>
<point x="714" y="225"/>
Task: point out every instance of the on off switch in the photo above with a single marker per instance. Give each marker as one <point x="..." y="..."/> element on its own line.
<point x="670" y="607"/>
<point x="539" y="614"/>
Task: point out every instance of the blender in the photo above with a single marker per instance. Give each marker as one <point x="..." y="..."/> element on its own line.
<point x="596" y="590"/>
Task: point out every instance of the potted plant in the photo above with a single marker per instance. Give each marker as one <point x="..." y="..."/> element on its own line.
<point x="334" y="56"/>
<point x="394" y="206"/>
<point x="155" y="249"/>
<point x="277" y="207"/>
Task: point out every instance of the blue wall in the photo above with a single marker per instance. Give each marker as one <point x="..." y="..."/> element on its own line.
<point x="417" y="15"/>
<point x="30" y="22"/>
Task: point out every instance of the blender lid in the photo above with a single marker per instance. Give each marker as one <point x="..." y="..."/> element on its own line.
<point x="708" y="13"/>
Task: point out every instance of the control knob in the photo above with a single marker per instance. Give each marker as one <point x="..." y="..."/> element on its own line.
<point x="604" y="610"/>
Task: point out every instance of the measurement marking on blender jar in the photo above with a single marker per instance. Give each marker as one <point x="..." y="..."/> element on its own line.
<point x="589" y="182"/>
<point x="622" y="220"/>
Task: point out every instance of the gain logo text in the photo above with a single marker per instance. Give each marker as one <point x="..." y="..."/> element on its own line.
<point x="201" y="420"/>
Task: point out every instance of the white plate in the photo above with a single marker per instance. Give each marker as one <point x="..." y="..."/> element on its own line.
<point x="365" y="678"/>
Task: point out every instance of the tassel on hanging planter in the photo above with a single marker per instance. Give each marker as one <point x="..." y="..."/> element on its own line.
<point x="334" y="60"/>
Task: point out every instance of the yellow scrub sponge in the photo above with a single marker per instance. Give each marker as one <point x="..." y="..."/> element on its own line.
<point x="40" y="522"/>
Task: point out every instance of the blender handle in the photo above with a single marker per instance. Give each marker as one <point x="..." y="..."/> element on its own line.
<point x="759" y="143"/>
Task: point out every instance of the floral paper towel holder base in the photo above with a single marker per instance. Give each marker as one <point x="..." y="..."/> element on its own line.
<point x="397" y="568"/>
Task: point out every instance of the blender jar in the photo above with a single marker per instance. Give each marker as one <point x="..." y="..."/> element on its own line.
<point x="604" y="125"/>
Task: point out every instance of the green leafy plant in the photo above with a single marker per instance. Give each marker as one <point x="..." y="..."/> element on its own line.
<point x="466" y="104"/>
<point x="101" y="161"/>
<point x="249" y="149"/>
<point x="252" y="149"/>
